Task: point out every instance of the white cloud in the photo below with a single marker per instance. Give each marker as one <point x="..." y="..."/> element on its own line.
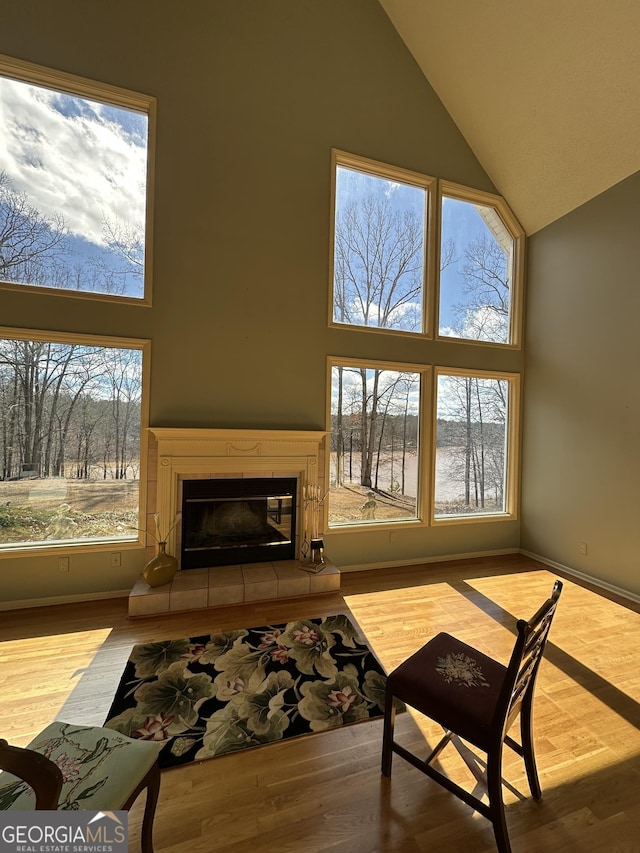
<point x="84" y="166"/>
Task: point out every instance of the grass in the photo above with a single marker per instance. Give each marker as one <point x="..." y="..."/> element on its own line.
<point x="56" y="508"/>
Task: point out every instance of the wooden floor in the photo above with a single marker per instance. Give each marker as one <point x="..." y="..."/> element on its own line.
<point x="324" y="792"/>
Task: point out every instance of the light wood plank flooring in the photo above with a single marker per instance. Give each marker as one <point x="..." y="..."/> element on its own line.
<point x="324" y="792"/>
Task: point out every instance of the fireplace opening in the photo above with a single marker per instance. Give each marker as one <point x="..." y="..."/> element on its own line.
<point x="231" y="521"/>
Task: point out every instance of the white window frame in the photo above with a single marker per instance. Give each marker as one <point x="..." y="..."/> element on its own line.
<point x="512" y="453"/>
<point x="423" y="497"/>
<point x="435" y="190"/>
<point x="506" y="216"/>
<point x="393" y="173"/>
<point x="71" y="84"/>
<point x="138" y="537"/>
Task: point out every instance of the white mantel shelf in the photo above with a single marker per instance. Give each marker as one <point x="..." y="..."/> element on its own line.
<point x="184" y="440"/>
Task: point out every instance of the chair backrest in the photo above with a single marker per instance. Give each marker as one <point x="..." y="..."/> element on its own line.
<point x="525" y="660"/>
<point x="36" y="770"/>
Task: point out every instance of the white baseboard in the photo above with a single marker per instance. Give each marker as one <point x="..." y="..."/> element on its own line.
<point x="63" y="599"/>
<point x="388" y="564"/>
<point x="624" y="593"/>
<point x="416" y="561"/>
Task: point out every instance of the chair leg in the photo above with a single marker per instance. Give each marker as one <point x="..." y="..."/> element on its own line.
<point x="153" y="789"/>
<point x="151" y="784"/>
<point x="387" y="737"/>
<point x="526" y="734"/>
<point x="496" y="803"/>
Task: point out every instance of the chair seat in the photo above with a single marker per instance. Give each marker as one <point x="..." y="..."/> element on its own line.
<point x="454" y="684"/>
<point x="101" y="768"/>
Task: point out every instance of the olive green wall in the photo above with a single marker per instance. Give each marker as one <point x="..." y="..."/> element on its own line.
<point x="252" y="95"/>
<point x="581" y="466"/>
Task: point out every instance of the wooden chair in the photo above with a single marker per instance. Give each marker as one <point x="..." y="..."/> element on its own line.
<point x="475" y="699"/>
<point x="81" y="767"/>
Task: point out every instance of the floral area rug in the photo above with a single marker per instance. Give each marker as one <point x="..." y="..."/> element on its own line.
<point x="211" y="695"/>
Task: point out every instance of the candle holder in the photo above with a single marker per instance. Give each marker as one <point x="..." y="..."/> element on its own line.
<point x="316" y="561"/>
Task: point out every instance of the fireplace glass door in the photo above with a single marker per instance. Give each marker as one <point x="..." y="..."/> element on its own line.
<point x="231" y="521"/>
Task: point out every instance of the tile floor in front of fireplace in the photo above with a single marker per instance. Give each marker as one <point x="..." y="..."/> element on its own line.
<point x="199" y="588"/>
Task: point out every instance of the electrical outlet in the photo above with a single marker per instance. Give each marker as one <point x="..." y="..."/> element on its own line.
<point x="116" y="560"/>
<point x="582" y="547"/>
<point x="393" y="536"/>
<point x="63" y="564"/>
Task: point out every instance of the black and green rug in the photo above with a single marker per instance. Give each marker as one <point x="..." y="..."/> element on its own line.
<point x="215" y="694"/>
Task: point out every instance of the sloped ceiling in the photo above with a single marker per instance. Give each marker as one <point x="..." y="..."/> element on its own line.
<point x="546" y="92"/>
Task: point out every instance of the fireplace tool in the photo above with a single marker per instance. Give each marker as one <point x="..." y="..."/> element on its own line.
<point x="312" y="502"/>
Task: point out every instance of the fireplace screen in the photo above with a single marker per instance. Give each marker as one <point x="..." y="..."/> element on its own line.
<point x="231" y="521"/>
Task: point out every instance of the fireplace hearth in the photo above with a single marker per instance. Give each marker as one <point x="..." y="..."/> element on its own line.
<point x="230" y="521"/>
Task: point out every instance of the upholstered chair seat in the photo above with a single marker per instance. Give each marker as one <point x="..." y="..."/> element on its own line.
<point x="84" y="767"/>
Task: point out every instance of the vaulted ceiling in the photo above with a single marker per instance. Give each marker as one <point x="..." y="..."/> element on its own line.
<point x="546" y="92"/>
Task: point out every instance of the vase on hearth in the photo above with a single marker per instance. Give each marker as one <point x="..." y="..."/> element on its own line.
<point x="161" y="569"/>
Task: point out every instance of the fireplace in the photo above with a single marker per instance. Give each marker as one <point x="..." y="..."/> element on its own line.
<point x="179" y="455"/>
<point x="227" y="521"/>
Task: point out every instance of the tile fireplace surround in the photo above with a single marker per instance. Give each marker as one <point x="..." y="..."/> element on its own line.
<point x="178" y="454"/>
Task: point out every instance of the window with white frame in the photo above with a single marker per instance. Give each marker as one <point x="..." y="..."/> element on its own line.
<point x="386" y="277"/>
<point x="376" y="434"/>
<point x="74" y="163"/>
<point x="480" y="267"/>
<point x="72" y="419"/>
<point x="380" y="245"/>
<point x="476" y="425"/>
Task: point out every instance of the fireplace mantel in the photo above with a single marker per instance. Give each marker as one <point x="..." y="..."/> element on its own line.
<point x="193" y="453"/>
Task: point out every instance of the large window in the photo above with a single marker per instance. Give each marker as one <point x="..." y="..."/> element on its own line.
<point x="457" y="303"/>
<point x="480" y="257"/>
<point x="385" y="274"/>
<point x="475" y="443"/>
<point x="376" y="435"/>
<point x="74" y="160"/>
<point x="71" y="421"/>
<point x="379" y="246"/>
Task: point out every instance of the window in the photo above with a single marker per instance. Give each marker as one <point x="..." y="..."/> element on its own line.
<point x="379" y="245"/>
<point x="479" y="265"/>
<point x="71" y="420"/>
<point x="455" y="300"/>
<point x="376" y="432"/>
<point x="74" y="159"/>
<point x="475" y="430"/>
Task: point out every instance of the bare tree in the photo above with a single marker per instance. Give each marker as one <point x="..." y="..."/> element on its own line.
<point x="126" y="244"/>
<point x="472" y="422"/>
<point x="68" y="402"/>
<point x="35" y="249"/>
<point x="485" y="313"/>
<point x="28" y="238"/>
<point x="123" y="375"/>
<point x="378" y="281"/>
<point x="42" y="382"/>
<point x="379" y="265"/>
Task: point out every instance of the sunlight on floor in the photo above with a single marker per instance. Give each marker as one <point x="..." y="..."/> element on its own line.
<point x="33" y="704"/>
<point x="581" y="696"/>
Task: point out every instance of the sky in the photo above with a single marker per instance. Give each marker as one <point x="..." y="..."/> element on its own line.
<point x="461" y="223"/>
<point x="49" y="147"/>
<point x="352" y="389"/>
